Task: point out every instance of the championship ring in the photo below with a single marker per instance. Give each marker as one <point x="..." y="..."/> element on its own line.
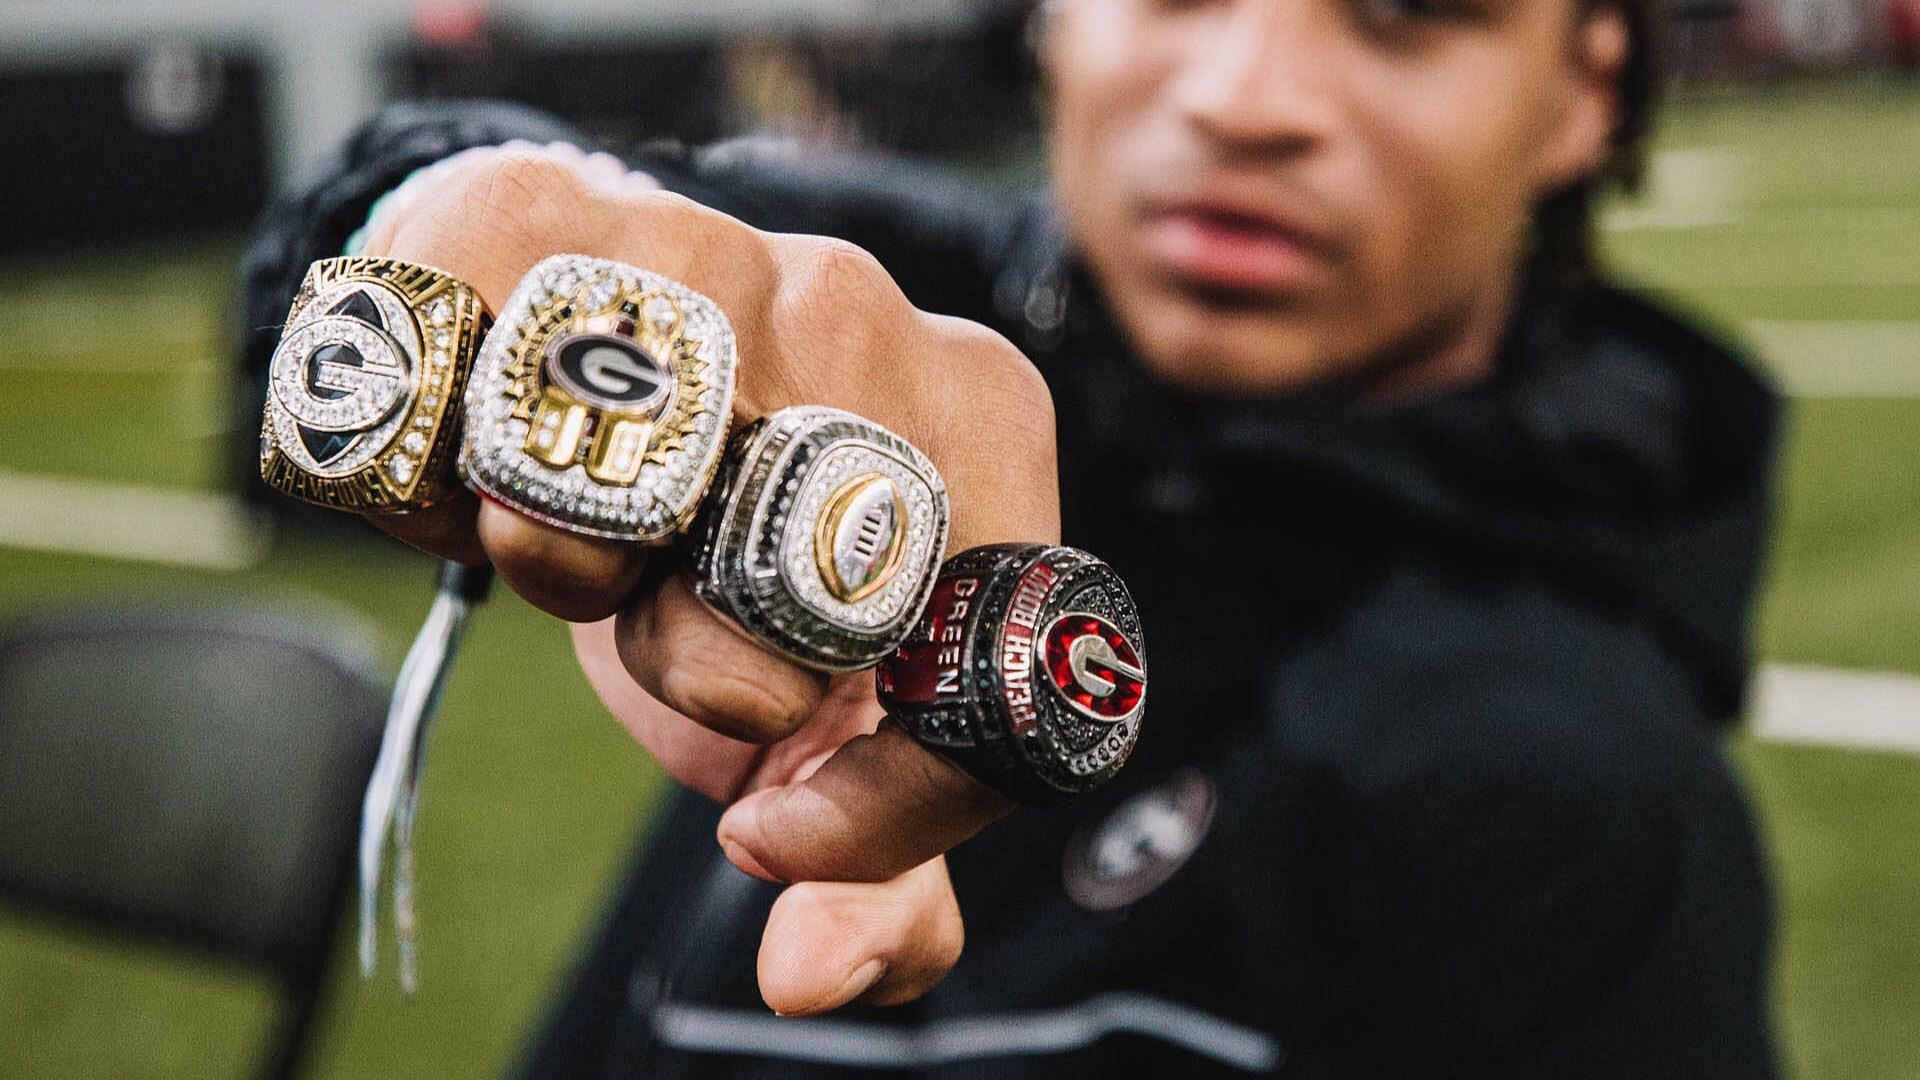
<point x="362" y="392"/>
<point x="600" y="401"/>
<point x="824" y="538"/>
<point x="1027" y="670"/>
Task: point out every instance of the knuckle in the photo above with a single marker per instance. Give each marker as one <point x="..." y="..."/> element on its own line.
<point x="673" y="207"/>
<point x="843" y="266"/>
<point x="722" y="246"/>
<point x="839" y="289"/>
<point x="989" y="356"/>
<point x="499" y="213"/>
<point x="558" y="577"/>
<point x="981" y="367"/>
<point x="731" y="261"/>
<point x="519" y="175"/>
<point x="529" y="191"/>
<point x="722" y="697"/>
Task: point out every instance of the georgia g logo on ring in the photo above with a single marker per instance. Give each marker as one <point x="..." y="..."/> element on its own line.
<point x="609" y="372"/>
<point x="341" y="372"/>
<point x="1094" y="667"/>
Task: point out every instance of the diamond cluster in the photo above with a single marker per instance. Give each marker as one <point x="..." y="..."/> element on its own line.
<point x="684" y="445"/>
<point x="1087" y="750"/>
<point x="800" y="561"/>
<point x="969" y="682"/>
<point x="757" y="561"/>
<point x="382" y="381"/>
<point x="377" y="416"/>
<point x="414" y="445"/>
<point x="372" y="432"/>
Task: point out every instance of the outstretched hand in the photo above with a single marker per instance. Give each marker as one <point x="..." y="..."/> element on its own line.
<point x="854" y="813"/>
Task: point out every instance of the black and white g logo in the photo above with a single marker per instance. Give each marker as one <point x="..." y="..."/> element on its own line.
<point x="341" y="374"/>
<point x="1140" y="844"/>
<point x="608" y="372"/>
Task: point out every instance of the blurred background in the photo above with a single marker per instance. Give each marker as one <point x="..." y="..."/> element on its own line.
<point x="1783" y="205"/>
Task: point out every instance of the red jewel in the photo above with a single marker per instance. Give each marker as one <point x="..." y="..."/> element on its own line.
<point x="1094" y="666"/>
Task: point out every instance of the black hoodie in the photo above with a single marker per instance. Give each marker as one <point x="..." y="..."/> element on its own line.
<point x="1430" y="785"/>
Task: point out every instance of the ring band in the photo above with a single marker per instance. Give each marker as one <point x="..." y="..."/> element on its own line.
<point x="362" y="391"/>
<point x="1027" y="670"/>
<point x="823" y="538"/>
<point x="600" y="400"/>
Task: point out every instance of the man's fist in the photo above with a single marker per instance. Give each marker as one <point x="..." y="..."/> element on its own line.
<point x="820" y="792"/>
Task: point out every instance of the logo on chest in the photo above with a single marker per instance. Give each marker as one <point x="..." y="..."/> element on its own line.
<point x="1140" y="844"/>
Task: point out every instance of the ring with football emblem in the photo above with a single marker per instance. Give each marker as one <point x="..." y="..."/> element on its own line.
<point x="363" y="390"/>
<point x="823" y="537"/>
<point x="1027" y="669"/>
<point x="600" y="400"/>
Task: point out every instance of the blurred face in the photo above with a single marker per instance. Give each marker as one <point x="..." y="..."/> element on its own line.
<point x="1279" y="195"/>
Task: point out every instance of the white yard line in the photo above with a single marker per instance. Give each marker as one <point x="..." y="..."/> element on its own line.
<point x="1792" y="704"/>
<point x="122" y="521"/>
<point x="1841" y="359"/>
<point x="77" y="345"/>
<point x="108" y="363"/>
<point x="1686" y="188"/>
<point x="1649" y="217"/>
<point x="1860" y="710"/>
<point x="1707" y="187"/>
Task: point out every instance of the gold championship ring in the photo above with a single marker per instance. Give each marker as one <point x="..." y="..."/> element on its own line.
<point x="600" y="402"/>
<point x="363" y="392"/>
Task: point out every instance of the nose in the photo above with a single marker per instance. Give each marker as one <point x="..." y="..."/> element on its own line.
<point x="1261" y="77"/>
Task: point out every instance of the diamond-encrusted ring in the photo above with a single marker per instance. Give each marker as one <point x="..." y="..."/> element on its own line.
<point x="823" y="537"/>
<point x="363" y="391"/>
<point x="600" y="401"/>
<point x="1027" y="669"/>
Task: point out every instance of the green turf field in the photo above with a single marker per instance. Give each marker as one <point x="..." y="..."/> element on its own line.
<point x="1793" y="214"/>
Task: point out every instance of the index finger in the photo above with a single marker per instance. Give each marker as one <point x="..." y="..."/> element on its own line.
<point x="446" y="529"/>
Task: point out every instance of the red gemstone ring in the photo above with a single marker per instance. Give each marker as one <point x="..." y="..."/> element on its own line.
<point x="1027" y="669"/>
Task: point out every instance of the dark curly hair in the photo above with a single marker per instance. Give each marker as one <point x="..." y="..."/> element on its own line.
<point x="1563" y="242"/>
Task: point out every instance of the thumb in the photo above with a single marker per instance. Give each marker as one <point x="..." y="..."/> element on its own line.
<point x="880" y="806"/>
<point x="828" y="943"/>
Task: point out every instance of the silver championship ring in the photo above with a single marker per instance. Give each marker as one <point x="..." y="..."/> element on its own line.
<point x="823" y="538"/>
<point x="599" y="402"/>
<point x="1027" y="670"/>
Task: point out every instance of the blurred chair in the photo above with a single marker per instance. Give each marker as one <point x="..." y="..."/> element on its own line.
<point x="191" y="777"/>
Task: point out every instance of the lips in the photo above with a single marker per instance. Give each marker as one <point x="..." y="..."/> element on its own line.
<point x="1224" y="245"/>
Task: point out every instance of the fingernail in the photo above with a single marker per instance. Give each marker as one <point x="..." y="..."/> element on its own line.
<point x="742" y="858"/>
<point x="862" y="979"/>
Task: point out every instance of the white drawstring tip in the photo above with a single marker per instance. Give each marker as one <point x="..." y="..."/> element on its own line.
<point x="393" y="790"/>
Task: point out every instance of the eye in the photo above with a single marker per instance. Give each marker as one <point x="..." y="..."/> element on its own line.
<point x="1181" y="7"/>
<point x="1389" y="14"/>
